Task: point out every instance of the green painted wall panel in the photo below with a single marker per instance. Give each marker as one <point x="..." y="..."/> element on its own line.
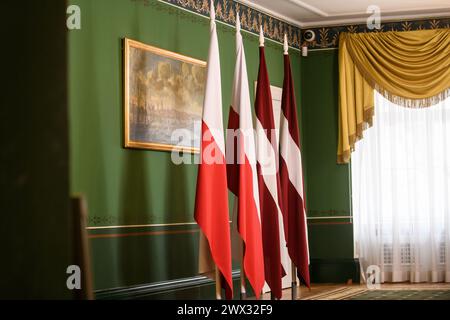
<point x="126" y="186"/>
<point x="326" y="182"/>
<point x="331" y="241"/>
<point x="130" y="186"/>
<point x="134" y="260"/>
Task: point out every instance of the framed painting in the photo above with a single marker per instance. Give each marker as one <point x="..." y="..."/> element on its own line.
<point x="163" y="98"/>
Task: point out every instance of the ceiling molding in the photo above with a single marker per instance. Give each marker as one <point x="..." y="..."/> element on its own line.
<point x="326" y="31"/>
<point x="309" y="7"/>
<point x="362" y="14"/>
<point x="362" y="20"/>
<point x="327" y="19"/>
<point x="251" y="18"/>
<point x="269" y="12"/>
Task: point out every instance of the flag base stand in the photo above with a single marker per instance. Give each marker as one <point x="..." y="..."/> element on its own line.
<point x="294" y="291"/>
<point x="243" y="295"/>
<point x="294" y="286"/>
<point x="218" y="285"/>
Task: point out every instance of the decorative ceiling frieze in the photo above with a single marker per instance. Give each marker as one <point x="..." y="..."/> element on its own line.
<point x="251" y="19"/>
<point x="328" y="37"/>
<point x="274" y="28"/>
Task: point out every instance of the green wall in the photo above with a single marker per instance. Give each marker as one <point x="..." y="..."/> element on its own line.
<point x="126" y="186"/>
<point x="327" y="183"/>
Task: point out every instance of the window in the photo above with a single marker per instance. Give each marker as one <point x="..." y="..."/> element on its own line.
<point x="401" y="192"/>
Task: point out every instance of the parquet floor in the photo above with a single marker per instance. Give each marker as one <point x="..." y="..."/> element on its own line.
<point x="328" y="291"/>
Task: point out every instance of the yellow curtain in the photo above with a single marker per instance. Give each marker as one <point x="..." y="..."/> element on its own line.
<point x="410" y="68"/>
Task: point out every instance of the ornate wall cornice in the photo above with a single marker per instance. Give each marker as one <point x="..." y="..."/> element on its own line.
<point x="328" y="37"/>
<point x="274" y="29"/>
<point x="251" y="19"/>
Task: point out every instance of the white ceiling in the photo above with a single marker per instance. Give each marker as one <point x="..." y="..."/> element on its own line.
<point x="311" y="13"/>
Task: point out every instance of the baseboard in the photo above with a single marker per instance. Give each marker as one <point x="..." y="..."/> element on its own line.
<point x="334" y="270"/>
<point x="198" y="287"/>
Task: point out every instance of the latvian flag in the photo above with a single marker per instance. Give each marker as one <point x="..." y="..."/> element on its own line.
<point x="291" y="177"/>
<point x="274" y="244"/>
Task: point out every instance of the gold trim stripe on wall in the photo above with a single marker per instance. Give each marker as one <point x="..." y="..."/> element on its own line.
<point x="143" y="226"/>
<point x="141" y="234"/>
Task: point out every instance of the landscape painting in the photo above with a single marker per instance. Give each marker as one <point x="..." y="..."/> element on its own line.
<point x="163" y="95"/>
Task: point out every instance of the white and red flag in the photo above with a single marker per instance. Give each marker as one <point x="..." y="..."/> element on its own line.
<point x="291" y="177"/>
<point x="274" y="244"/>
<point x="242" y="174"/>
<point x="211" y="201"/>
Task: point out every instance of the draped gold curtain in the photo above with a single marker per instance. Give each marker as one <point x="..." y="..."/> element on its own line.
<point x="410" y="68"/>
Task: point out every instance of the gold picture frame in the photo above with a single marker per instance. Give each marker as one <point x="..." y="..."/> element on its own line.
<point x="163" y="91"/>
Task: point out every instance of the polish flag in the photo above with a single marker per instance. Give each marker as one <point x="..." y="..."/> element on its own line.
<point x="291" y="177"/>
<point x="242" y="174"/>
<point x="211" y="201"/>
<point x="274" y="243"/>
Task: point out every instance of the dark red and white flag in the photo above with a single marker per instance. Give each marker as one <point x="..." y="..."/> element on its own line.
<point x="291" y="177"/>
<point x="211" y="201"/>
<point x="242" y="174"/>
<point x="268" y="180"/>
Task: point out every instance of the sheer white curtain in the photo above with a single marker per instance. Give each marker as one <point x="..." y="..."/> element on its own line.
<point x="401" y="193"/>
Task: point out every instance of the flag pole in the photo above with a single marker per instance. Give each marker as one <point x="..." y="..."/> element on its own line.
<point x="294" y="282"/>
<point x="243" y="291"/>
<point x="293" y="268"/>
<point x="243" y="288"/>
<point x="218" y="285"/>
<point x="218" y="280"/>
